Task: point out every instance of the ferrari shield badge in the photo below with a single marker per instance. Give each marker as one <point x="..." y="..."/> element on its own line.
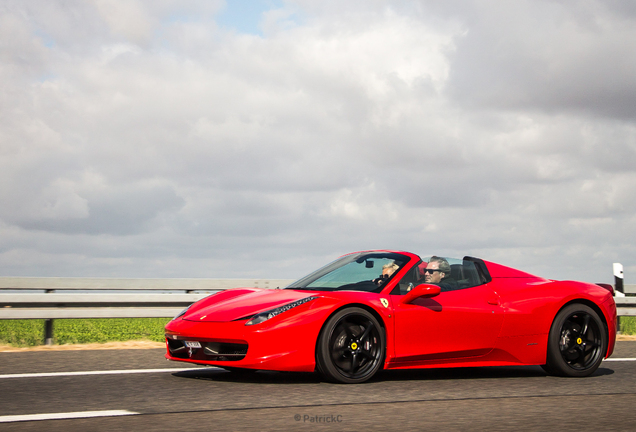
<point x="384" y="302"/>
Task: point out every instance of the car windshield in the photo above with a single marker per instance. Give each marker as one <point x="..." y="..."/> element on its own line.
<point x="362" y="271"/>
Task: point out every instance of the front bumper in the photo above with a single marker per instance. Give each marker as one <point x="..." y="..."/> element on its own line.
<point x="284" y="346"/>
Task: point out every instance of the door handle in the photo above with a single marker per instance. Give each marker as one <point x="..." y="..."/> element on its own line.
<point x="493" y="299"/>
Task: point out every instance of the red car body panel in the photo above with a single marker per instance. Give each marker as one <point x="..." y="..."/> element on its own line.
<point x="505" y="321"/>
<point x="296" y="334"/>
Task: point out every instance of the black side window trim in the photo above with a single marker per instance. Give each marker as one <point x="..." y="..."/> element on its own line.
<point x="484" y="274"/>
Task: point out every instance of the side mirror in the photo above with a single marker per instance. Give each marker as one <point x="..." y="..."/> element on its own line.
<point x="424" y="290"/>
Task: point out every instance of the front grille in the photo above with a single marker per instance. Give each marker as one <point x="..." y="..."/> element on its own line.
<point x="209" y="351"/>
<point x="177" y="348"/>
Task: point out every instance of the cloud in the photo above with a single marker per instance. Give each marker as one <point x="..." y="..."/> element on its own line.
<point x="547" y="56"/>
<point x="144" y="139"/>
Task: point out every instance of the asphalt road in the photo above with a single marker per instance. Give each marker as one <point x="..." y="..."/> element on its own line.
<point x="498" y="398"/>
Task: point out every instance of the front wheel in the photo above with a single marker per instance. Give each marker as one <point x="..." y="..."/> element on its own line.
<point x="351" y="347"/>
<point x="577" y="342"/>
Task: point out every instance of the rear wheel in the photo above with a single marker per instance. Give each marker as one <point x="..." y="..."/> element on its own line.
<point x="577" y="342"/>
<point x="350" y="347"/>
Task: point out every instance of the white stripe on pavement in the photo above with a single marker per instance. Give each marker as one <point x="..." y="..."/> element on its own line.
<point x="620" y="359"/>
<point x="68" y="415"/>
<point x="107" y="372"/>
<point x="173" y="370"/>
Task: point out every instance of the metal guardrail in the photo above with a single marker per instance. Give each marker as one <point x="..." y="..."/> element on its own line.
<point x="78" y="297"/>
<point x="626" y="306"/>
<point x="63" y="298"/>
<point x="110" y="298"/>
<point x="183" y="284"/>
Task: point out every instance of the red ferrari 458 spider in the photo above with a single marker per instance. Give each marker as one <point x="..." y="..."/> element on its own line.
<point x="375" y="310"/>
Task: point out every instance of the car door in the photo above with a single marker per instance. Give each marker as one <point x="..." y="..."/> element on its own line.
<point x="452" y="325"/>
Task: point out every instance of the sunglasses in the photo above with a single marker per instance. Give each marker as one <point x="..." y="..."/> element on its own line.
<point x="430" y="271"/>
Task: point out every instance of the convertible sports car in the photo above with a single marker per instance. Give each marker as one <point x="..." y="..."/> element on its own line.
<point x="381" y="309"/>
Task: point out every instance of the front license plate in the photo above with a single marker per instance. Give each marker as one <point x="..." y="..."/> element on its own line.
<point x="193" y="344"/>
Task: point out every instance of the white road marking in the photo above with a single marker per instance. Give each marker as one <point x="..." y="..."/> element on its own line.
<point x="173" y="370"/>
<point x="620" y="359"/>
<point x="67" y="415"/>
<point x="107" y="372"/>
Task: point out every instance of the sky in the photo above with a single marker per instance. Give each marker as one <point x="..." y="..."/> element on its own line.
<point x="265" y="138"/>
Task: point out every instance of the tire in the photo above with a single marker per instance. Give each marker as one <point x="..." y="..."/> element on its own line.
<point x="577" y="342"/>
<point x="351" y="347"/>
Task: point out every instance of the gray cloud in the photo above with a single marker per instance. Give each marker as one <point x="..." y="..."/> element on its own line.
<point x="140" y="139"/>
<point x="548" y="56"/>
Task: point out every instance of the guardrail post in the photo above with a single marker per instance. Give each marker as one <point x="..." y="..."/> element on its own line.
<point x="48" y="332"/>
<point x="618" y="286"/>
<point x="618" y="277"/>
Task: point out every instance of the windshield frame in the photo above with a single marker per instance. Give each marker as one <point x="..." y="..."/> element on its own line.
<point x="302" y="284"/>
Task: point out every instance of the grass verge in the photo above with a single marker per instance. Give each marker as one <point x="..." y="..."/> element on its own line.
<point x="628" y="325"/>
<point x="26" y="333"/>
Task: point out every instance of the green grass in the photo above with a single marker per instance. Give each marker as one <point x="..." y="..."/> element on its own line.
<point x="23" y="333"/>
<point x="628" y="325"/>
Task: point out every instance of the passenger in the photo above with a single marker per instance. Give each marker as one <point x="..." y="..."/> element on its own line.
<point x="438" y="272"/>
<point x="387" y="271"/>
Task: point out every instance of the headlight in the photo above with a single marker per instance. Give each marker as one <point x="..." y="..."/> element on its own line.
<point x="182" y="313"/>
<point x="264" y="316"/>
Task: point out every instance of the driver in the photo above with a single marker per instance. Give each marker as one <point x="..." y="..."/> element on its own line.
<point x="438" y="272"/>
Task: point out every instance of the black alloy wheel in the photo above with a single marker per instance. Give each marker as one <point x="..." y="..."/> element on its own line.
<point x="350" y="347"/>
<point x="577" y="342"/>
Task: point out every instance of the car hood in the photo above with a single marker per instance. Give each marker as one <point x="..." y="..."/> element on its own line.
<point x="238" y="303"/>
